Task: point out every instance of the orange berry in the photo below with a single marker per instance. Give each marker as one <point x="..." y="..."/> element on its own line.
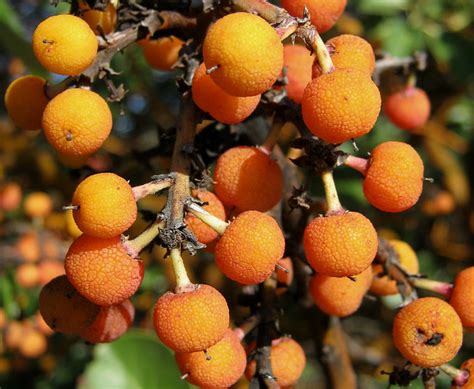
<point x="65" y="44"/>
<point x="27" y="275"/>
<point x="25" y="102"/>
<point x="462" y="297"/>
<point x="64" y="309"/>
<point x="49" y="270"/>
<point x="442" y="203"/>
<point x="223" y="107"/>
<point x="191" y="321"/>
<point x="71" y="225"/>
<point x="101" y="22"/>
<point x="238" y="179"/>
<point x="102" y="270"/>
<point x="32" y="344"/>
<point x="28" y="247"/>
<point x="287" y="359"/>
<point x="324" y="13"/>
<point x="107" y="206"/>
<point x="340" y="296"/>
<point x="77" y="122"/>
<point x="202" y="231"/>
<point x="285" y="277"/>
<point x="234" y="44"/>
<point x="250" y="248"/>
<point x="162" y="53"/>
<point x="110" y="324"/>
<point x="10" y="196"/>
<point x="13" y="334"/>
<point x="394" y="179"/>
<point x="340" y="245"/>
<point x="428" y="332"/>
<point x="384" y="285"/>
<point x="349" y="52"/>
<point x="408" y="108"/>
<point x="298" y="61"/>
<point x="341" y="105"/>
<point x="38" y="204"/>
<point x="468" y="366"/>
<point x="42" y="326"/>
<point x="221" y="368"/>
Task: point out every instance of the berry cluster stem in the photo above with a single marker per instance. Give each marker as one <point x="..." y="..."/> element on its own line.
<point x="357" y="163"/>
<point x="442" y="288"/>
<point x="215" y="223"/>
<point x="324" y="58"/>
<point x="137" y="244"/>
<point x="332" y="198"/>
<point x="152" y="187"/>
<point x="182" y="279"/>
<point x="459" y="376"/>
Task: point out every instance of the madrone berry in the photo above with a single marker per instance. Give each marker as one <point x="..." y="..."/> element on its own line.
<point x="162" y="53"/>
<point x="408" y="109"/>
<point x="298" y="61"/>
<point x="100" y="21"/>
<point x="462" y="297"/>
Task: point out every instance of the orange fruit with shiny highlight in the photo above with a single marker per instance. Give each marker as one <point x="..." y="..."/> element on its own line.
<point x="428" y="332"/>
<point x="32" y="344"/>
<point x="201" y="230"/>
<point x="383" y="285"/>
<point x="101" y="269"/>
<point x="100" y="21"/>
<point x="77" y="122"/>
<point x="222" y="368"/>
<point x="340" y="296"/>
<point x="234" y="44"/>
<point x="341" y="105"/>
<point x="25" y="102"/>
<point x="110" y="324"/>
<point x="27" y="275"/>
<point x="408" y="108"/>
<point x="250" y="248"/>
<point x="38" y="204"/>
<point x="394" y="179"/>
<point x="107" y="206"/>
<point x="288" y="361"/>
<point x="462" y="297"/>
<point x="239" y="183"/>
<point x="340" y="245"/>
<point x="348" y="52"/>
<point x="65" y="44"/>
<point x="324" y="13"/>
<point x="223" y="107"/>
<point x="191" y="321"/>
<point x="298" y="61"/>
<point x="162" y="53"/>
<point x="64" y="309"/>
<point x="469" y="367"/>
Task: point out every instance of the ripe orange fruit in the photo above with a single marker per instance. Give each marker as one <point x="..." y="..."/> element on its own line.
<point x="32" y="343"/>
<point x="71" y="226"/>
<point x="223" y="107"/>
<point x="106" y="204"/>
<point x="250" y="248"/>
<point x="394" y="180"/>
<point x="48" y="270"/>
<point x="101" y="269"/>
<point x="408" y="108"/>
<point x="99" y="21"/>
<point x="10" y="196"/>
<point x="298" y="61"/>
<point x="462" y="297"/>
<point x="13" y="334"/>
<point x="340" y="296"/>
<point x="287" y="359"/>
<point x="225" y="366"/>
<point x="77" y="122"/>
<point x="27" y="275"/>
<point x="191" y="321"/>
<point x="28" y="247"/>
<point x="468" y="366"/>
<point x="238" y="179"/>
<point x="285" y="278"/>
<point x="110" y="324"/>
<point x="234" y="44"/>
<point x="65" y="44"/>
<point x="64" y="309"/>
<point x="428" y="332"/>
<point x="349" y="52"/>
<point x="25" y="102"/>
<point x="37" y="204"/>
<point x="42" y="326"/>
<point x="340" y="245"/>
<point x="324" y="13"/>
<point x="442" y="203"/>
<point x="383" y="285"/>
<point x="162" y="53"/>
<point x="341" y="105"/>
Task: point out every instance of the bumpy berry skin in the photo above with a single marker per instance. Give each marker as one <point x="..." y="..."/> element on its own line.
<point x="239" y="179"/>
<point x="223" y="107"/>
<point x="428" y="332"/>
<point x="162" y="53"/>
<point x="250" y="248"/>
<point x="37" y="204"/>
<point x="99" y="21"/>
<point x="341" y="105"/>
<point x="25" y="102"/>
<point x="469" y="366"/>
<point x="77" y="122"/>
<point x="394" y="180"/>
<point x="340" y="245"/>
<point x="101" y="270"/>
<point x="235" y="43"/>
<point x="462" y="297"/>
<point x="191" y="321"/>
<point x="340" y="296"/>
<point x="64" y="309"/>
<point x="408" y="108"/>
<point x="226" y="366"/>
<point x="65" y="44"/>
<point x="298" y="61"/>
<point x="107" y="206"/>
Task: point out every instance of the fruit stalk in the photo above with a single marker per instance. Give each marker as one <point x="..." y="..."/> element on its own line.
<point x="215" y="223"/>
<point x="442" y="288"/>
<point x="459" y="376"/>
<point x="182" y="279"/>
<point x="137" y="244"/>
<point x="357" y="163"/>
<point x="161" y="182"/>
<point x="332" y="199"/>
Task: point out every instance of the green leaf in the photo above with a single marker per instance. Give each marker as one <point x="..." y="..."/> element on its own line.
<point x="398" y="38"/>
<point x="135" y="361"/>
<point x="385" y="7"/>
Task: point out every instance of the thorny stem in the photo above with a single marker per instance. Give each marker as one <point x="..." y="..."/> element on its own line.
<point x="332" y="199"/>
<point x="459" y="376"/>
<point x="152" y="187"/>
<point x="273" y="134"/>
<point x="442" y="288"/>
<point x="182" y="279"/>
<point x="212" y="221"/>
<point x="137" y="244"/>
<point x="357" y="163"/>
